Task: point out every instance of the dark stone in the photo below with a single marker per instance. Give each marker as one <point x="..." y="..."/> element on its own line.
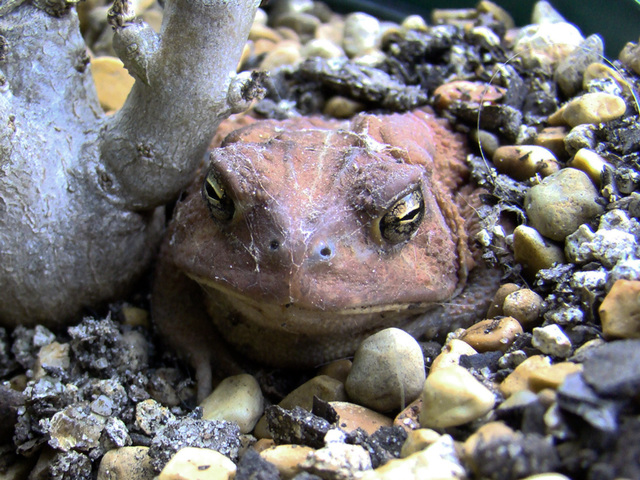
<point x="383" y="445"/>
<point x="324" y="410"/>
<point x="253" y="467"/>
<point x="612" y="369"/>
<point x="480" y="361"/>
<point x="296" y="426"/>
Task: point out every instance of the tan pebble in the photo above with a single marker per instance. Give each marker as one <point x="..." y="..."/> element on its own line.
<point x="198" y="464"/>
<point x="331" y="31"/>
<point x="361" y="33"/>
<point x="441" y="16"/>
<point x="236" y="399"/>
<point x="342" y="107"/>
<point x="487" y="142"/>
<point x="552" y="138"/>
<point x="263" y="46"/>
<point x="321" y="48"/>
<point x="597" y="71"/>
<point x="497" y="12"/>
<point x="474" y="93"/>
<point x="304" y="24"/>
<point x="451" y="353"/>
<point x="533" y="251"/>
<point x="452" y="397"/>
<point x="126" y="463"/>
<point x="52" y="357"/>
<point x="521" y="162"/>
<point x="524" y="305"/>
<point x="414" y="22"/>
<point x="552" y="376"/>
<point x="287" y="458"/>
<point x="496" y="307"/>
<point x="418" y="440"/>
<point x="620" y="310"/>
<point x="354" y="416"/>
<point x="263" y="444"/>
<point x="486" y="433"/>
<point x="285" y="53"/>
<point x="519" y="379"/>
<point x="547" y="397"/>
<point x="630" y="56"/>
<point x="492" y="335"/>
<point x="549" y="476"/>
<point x="590" y="163"/>
<point x="112" y="80"/>
<point x="135" y="317"/>
<point x="408" y="417"/>
<point x="593" y="108"/>
<point x="289" y="34"/>
<point x="338" y="369"/>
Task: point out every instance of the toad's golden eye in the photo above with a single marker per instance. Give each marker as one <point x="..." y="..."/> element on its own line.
<point x="400" y="222"/>
<point x="220" y="204"/>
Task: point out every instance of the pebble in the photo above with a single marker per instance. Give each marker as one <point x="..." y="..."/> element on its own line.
<point x="600" y="71"/>
<point x="487" y="142"/>
<point x="524" y="305"/>
<point x="552" y="340"/>
<point x="126" y="463"/>
<point x="452" y="397"/>
<point x="570" y="71"/>
<point x="620" y="310"/>
<point x="582" y="136"/>
<point x="561" y="203"/>
<point x="192" y="463"/>
<point x="590" y="163"/>
<point x="342" y="107"/>
<point x="388" y="371"/>
<point x="321" y="48"/>
<point x="451" y="353"/>
<point x="518" y="380"/>
<point x="543" y="12"/>
<point x="151" y="416"/>
<point x="630" y="56"/>
<point x="304" y="24"/>
<point x="361" y="33"/>
<point x="468" y="93"/>
<point x="52" y="359"/>
<point x="337" y="461"/>
<point x="287" y="458"/>
<point x="492" y="335"/>
<point x="545" y="45"/>
<point x="414" y="22"/>
<point x="236" y="399"/>
<point x="338" y="369"/>
<point x="439" y="461"/>
<point x="552" y="376"/>
<point x="547" y="476"/>
<point x="591" y="108"/>
<point x="417" y="440"/>
<point x="486" y="433"/>
<point x="521" y="162"/>
<point x="552" y="138"/>
<point x="262" y="32"/>
<point x="497" y="12"/>
<point x="112" y="81"/>
<point x="533" y="251"/>
<point x="286" y="53"/>
<point x="408" y="417"/>
<point x="354" y="416"/>
<point x="75" y="428"/>
<point x="496" y="307"/>
<point x="612" y="368"/>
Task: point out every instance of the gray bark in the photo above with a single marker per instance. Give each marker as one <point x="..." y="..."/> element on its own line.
<point x="81" y="193"/>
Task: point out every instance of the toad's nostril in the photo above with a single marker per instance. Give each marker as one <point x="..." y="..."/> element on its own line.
<point x="326" y="251"/>
<point x="274" y="245"/>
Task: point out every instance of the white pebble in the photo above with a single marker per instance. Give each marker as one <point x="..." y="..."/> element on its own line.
<point x="552" y="340"/>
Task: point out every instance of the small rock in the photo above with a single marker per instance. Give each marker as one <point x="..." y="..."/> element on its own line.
<point x="620" y="310"/>
<point x="135" y="316"/>
<point x="338" y="369"/>
<point x="488" y="432"/>
<point x="286" y="53"/>
<point x="321" y="48"/>
<point x="466" y="92"/>
<point x="552" y="376"/>
<point x="543" y="12"/>
<point x="582" y="136"/>
<point x="590" y="163"/>
<point x="547" y="476"/>
<point x="552" y="138"/>
<point x="151" y="416"/>
<point x="53" y="359"/>
<point x="561" y="203"/>
<point x="521" y="162"/>
<point x="533" y="251"/>
<point x="76" y="428"/>
<point x="342" y="107"/>
<point x="287" y="458"/>
<point x="487" y="142"/>
<point x="262" y="32"/>
<point x="126" y="463"/>
<point x="497" y="12"/>
<point x="438" y="461"/>
<point x="388" y="371"/>
<point x="524" y="305"/>
<point x="495" y="309"/>
<point x="253" y="467"/>
<point x="296" y="426"/>
<point x="545" y="45"/>
<point x="600" y="71"/>
<point x="361" y="33"/>
<point x="518" y="380"/>
<point x="418" y="440"/>
<point x="492" y="335"/>
<point x="354" y="416"/>
<point x="590" y="108"/>
<point x="452" y="397"/>
<point x="408" y="418"/>
<point x="570" y="71"/>
<point x="451" y="353"/>
<point x="304" y="24"/>
<point x="113" y="82"/>
<point x="198" y="464"/>
<point x="612" y="368"/>
<point x="236" y="399"/>
<point x="630" y="56"/>
<point x="552" y="341"/>
<point x="337" y="461"/>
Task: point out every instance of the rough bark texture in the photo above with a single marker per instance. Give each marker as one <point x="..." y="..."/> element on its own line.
<point x="81" y="194"/>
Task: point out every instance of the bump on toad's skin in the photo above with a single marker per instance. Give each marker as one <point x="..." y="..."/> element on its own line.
<point x="297" y="278"/>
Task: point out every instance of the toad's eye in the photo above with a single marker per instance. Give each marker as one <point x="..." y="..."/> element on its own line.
<point x="400" y="222"/>
<point x="220" y="204"/>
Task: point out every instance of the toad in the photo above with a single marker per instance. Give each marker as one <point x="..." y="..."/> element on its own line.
<point x="302" y="237"/>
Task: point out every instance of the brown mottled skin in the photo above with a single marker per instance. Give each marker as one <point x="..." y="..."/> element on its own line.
<point x="300" y="274"/>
